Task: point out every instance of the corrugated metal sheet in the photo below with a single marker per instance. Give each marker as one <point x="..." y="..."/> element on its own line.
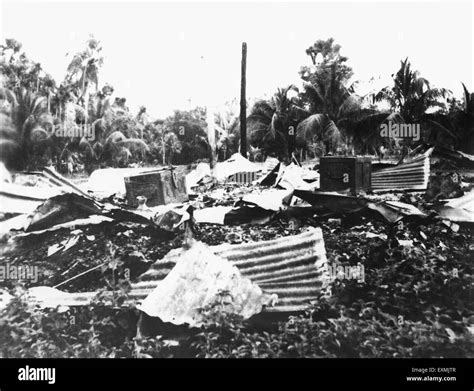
<point x="59" y="180"/>
<point x="460" y="209"/>
<point x="243" y="177"/>
<point x="15" y="198"/>
<point x="291" y="267"/>
<point x="235" y="164"/>
<point x="408" y="176"/>
<point x="21" y="199"/>
<point x="269" y="171"/>
<point x="270" y="164"/>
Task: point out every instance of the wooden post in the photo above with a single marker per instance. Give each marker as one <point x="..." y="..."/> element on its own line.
<point x="243" y="103"/>
<point x="211" y="136"/>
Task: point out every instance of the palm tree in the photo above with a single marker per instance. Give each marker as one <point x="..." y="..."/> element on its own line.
<point x="63" y="94"/>
<point x="116" y="134"/>
<point x="86" y="65"/>
<point x="467" y="121"/>
<point x="411" y="95"/>
<point x="142" y="120"/>
<point x="171" y="146"/>
<point x="270" y="122"/>
<point x="115" y="149"/>
<point x="31" y="121"/>
<point x="9" y="146"/>
<point x="227" y="124"/>
<point x="455" y="128"/>
<point x="13" y="65"/>
<point x="412" y="98"/>
<point x="338" y="114"/>
<point x="332" y="105"/>
<point x="100" y="111"/>
<point x="49" y="87"/>
<point x="189" y="127"/>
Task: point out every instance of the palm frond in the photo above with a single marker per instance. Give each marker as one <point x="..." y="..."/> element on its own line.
<point x="437" y="125"/>
<point x="395" y="118"/>
<point x="315" y="127"/>
<point x="39" y="133"/>
<point x="114" y="137"/>
<point x="9" y="96"/>
<point x="262" y="108"/>
<point x="134" y="144"/>
<point x="315" y="94"/>
<point x="86" y="145"/>
<point x="468" y="100"/>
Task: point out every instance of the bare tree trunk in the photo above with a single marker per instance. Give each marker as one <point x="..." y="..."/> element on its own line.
<point x="86" y="104"/>
<point x="164" y="147"/>
<point x="211" y="136"/>
<point x="243" y="103"/>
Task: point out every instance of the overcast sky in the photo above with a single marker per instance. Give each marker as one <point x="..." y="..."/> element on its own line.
<point x="173" y="55"/>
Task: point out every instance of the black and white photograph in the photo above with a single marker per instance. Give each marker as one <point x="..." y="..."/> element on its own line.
<point x="236" y="180"/>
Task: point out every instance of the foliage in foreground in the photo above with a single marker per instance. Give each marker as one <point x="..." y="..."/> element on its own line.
<point x="106" y="333"/>
<point x="416" y="302"/>
<point x="344" y="336"/>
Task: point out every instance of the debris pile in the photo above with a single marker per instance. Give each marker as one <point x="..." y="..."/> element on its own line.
<point x="252" y="230"/>
<point x="195" y="281"/>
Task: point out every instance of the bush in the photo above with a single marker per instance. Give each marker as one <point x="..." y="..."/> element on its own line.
<point x="412" y="304"/>
<point x="94" y="331"/>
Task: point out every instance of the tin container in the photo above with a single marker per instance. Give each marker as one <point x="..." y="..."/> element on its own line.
<point x="159" y="187"/>
<point x="345" y="174"/>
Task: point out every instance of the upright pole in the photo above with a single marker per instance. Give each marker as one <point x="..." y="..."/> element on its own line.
<point x="243" y="103"/>
<point x="211" y="135"/>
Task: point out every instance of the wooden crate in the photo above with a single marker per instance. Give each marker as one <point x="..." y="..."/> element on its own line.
<point x="342" y="174"/>
<point x="159" y="187"/>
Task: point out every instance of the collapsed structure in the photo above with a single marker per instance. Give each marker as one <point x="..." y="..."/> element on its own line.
<point x="281" y="275"/>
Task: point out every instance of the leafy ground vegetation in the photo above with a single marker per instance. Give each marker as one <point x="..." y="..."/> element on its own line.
<point x="416" y="300"/>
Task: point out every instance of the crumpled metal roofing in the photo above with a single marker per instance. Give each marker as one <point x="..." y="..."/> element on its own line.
<point x="460" y="209"/>
<point x="196" y="282"/>
<point x="413" y="175"/>
<point x="291" y="267"/>
<point x="15" y="198"/>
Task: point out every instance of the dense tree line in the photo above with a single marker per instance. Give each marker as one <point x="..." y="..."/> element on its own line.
<point x="328" y="116"/>
<point x="78" y="124"/>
